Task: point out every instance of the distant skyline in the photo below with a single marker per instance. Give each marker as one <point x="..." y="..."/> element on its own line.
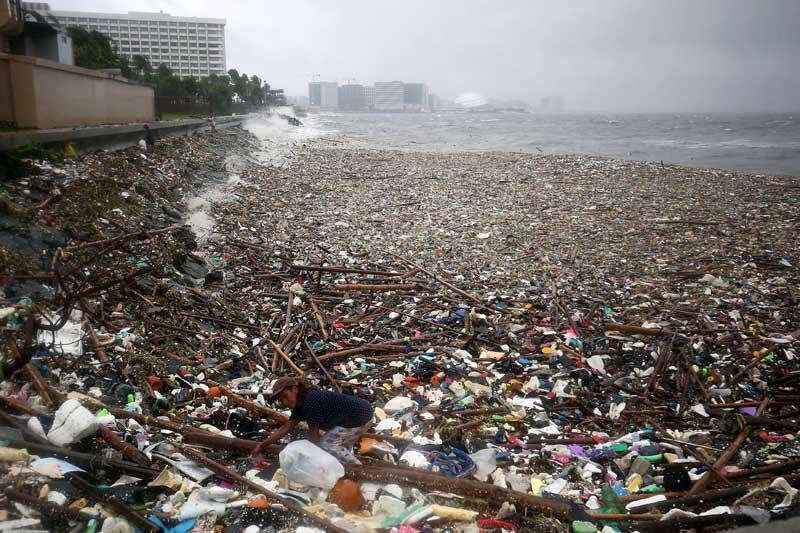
<point x="615" y="55"/>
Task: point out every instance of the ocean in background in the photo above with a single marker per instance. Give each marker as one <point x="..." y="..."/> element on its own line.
<point x="756" y="143"/>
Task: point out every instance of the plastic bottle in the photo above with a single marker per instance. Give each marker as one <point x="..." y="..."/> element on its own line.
<point x="611" y="500"/>
<point x="634" y="483"/>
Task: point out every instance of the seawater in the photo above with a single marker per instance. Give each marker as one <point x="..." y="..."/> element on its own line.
<point x="278" y="141"/>
<point x="279" y="138"/>
<point x="756" y="143"/>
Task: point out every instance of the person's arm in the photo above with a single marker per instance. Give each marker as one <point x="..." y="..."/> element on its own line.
<point x="313" y="433"/>
<point x="275" y="436"/>
<point x="8" y="368"/>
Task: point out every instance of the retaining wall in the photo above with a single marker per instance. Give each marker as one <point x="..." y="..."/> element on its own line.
<point x="37" y="93"/>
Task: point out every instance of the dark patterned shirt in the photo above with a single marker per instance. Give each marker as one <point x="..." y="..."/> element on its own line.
<point x="328" y="410"/>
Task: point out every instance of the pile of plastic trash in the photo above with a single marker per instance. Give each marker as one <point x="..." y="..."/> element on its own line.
<point x="570" y="371"/>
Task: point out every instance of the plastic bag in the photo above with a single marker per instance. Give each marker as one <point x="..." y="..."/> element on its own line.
<point x="305" y="463"/>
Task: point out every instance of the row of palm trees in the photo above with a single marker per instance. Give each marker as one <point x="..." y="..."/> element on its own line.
<point x="233" y="87"/>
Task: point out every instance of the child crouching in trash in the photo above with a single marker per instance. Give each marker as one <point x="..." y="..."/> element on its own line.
<point x="342" y="417"/>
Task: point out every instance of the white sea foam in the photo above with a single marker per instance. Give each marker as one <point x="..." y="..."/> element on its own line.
<point x="278" y="139"/>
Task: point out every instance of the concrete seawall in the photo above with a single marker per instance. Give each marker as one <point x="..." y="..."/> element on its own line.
<point x="41" y="94"/>
<point x="110" y="137"/>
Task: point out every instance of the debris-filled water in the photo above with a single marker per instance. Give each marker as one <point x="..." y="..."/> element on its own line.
<point x="756" y="143"/>
<point x="549" y="343"/>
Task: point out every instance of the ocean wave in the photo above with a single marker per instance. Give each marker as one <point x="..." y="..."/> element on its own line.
<point x="698" y="139"/>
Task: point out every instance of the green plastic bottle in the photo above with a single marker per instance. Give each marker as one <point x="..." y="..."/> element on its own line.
<point x="580" y="526"/>
<point x="620" y="447"/>
<point x="611" y="501"/>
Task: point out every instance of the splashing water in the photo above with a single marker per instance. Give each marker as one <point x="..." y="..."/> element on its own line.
<point x="468" y="100"/>
<point x="277" y="137"/>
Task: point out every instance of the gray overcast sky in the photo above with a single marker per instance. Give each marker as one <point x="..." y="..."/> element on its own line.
<point x="609" y="55"/>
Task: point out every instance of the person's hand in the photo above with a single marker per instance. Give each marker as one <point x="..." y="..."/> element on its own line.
<point x="256" y="454"/>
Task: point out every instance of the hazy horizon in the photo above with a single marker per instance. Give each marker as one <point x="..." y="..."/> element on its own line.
<point x="618" y="56"/>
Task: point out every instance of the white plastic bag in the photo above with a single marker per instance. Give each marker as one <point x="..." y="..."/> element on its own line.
<point x="72" y="423"/>
<point x="308" y="464"/>
<point x="486" y="462"/>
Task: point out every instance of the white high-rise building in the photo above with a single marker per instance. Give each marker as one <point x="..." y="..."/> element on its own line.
<point x="323" y="95"/>
<point x="389" y="96"/>
<point x="190" y="46"/>
<point x="369" y="97"/>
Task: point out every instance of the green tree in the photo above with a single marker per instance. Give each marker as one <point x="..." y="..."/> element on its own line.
<point x="265" y="91"/>
<point x="164" y="72"/>
<point x="218" y="92"/>
<point x="241" y="85"/>
<point x="142" y="66"/>
<point x="125" y="67"/>
<point x="255" y="93"/>
<point x="95" y="51"/>
<point x="167" y="84"/>
<point x="190" y="88"/>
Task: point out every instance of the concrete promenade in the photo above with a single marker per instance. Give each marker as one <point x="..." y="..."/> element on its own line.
<point x="110" y="137"/>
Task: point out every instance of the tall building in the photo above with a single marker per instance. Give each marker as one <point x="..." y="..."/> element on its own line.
<point x="314" y="94"/>
<point x="369" y="97"/>
<point x="434" y="102"/>
<point x="415" y="97"/>
<point x="323" y="95"/>
<point x="190" y="46"/>
<point x="389" y="96"/>
<point x="352" y="98"/>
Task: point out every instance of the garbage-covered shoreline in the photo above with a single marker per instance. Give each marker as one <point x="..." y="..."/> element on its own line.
<point x="551" y="343"/>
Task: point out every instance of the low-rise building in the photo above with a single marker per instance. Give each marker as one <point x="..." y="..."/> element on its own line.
<point x="34" y="35"/>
